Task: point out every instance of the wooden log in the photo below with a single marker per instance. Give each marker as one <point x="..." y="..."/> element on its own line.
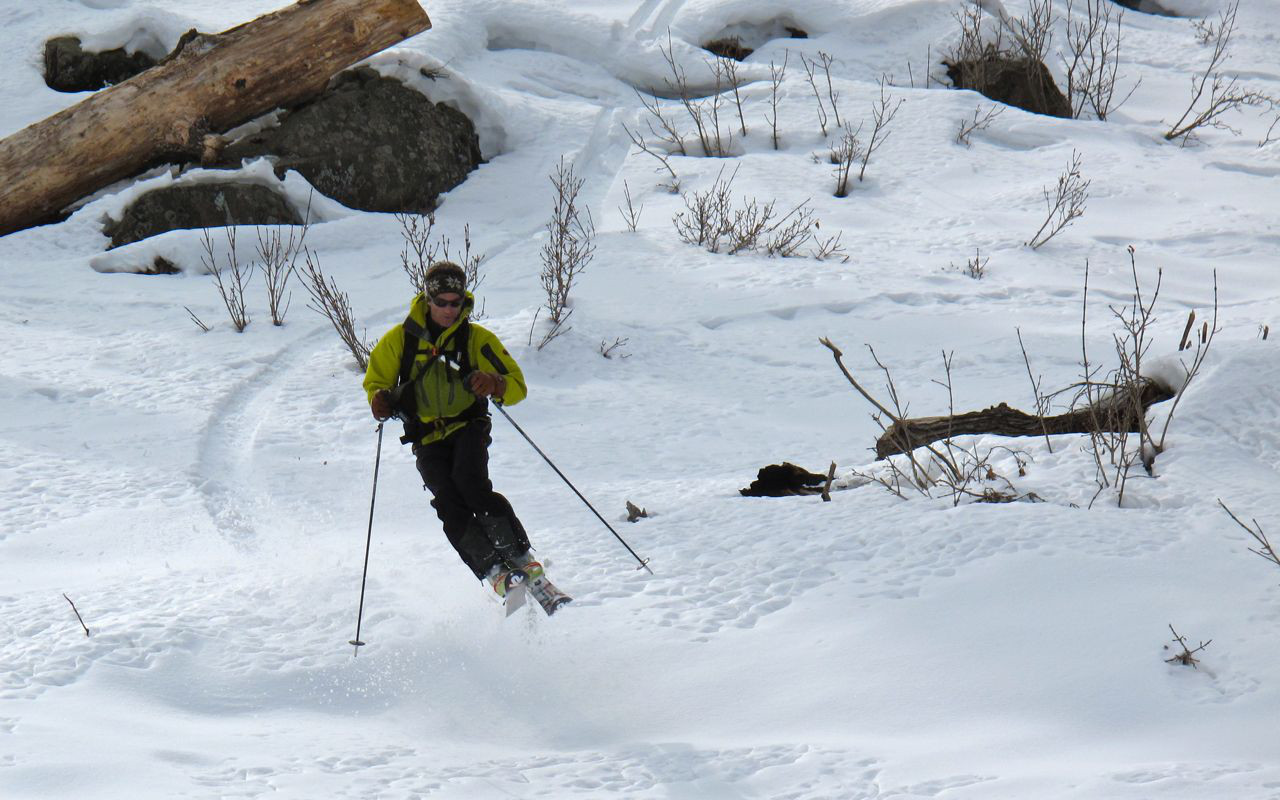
<point x="209" y="85"/>
<point x="1116" y="414"/>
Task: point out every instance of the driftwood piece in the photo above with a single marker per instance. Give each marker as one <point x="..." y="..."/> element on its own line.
<point x="175" y="110"/>
<point x="784" y="480"/>
<point x="1118" y="413"/>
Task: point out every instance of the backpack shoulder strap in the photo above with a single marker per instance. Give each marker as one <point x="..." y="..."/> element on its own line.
<point x="414" y="335"/>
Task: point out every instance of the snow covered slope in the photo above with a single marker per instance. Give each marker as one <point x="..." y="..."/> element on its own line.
<point x="203" y="497"/>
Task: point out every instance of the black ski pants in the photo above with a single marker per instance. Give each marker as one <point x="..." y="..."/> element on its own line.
<point x="479" y="522"/>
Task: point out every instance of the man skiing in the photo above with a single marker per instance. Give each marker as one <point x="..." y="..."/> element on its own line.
<point x="435" y="372"/>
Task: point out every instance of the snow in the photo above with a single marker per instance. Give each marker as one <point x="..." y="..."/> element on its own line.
<point x="203" y="497"/>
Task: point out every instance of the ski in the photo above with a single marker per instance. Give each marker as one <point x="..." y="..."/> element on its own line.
<point x="547" y="595"/>
<point x="514" y="591"/>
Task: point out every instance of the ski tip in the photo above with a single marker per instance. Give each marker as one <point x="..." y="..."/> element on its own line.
<point x="558" y="605"/>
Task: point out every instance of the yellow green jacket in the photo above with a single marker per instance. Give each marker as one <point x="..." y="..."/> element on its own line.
<point x="438" y="386"/>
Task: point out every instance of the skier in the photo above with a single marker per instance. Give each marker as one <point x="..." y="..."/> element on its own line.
<point x="436" y="372"/>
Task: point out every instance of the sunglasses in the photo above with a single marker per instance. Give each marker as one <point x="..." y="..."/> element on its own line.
<point x="440" y="302"/>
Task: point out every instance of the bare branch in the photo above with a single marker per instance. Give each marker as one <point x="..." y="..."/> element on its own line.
<point x="334" y="305"/>
<point x="1225" y="92"/>
<point x="1265" y="550"/>
<point x="1065" y="205"/>
<point x="1187" y="657"/>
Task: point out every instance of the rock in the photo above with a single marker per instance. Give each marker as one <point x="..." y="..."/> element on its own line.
<point x="1014" y="81"/>
<point x="728" y="47"/>
<point x="68" y="68"/>
<point x="200" y="205"/>
<point x="371" y="143"/>
<point x="1146" y="7"/>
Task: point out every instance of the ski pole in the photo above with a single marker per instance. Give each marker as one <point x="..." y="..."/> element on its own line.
<point x="377" y="462"/>
<point x="643" y="563"/>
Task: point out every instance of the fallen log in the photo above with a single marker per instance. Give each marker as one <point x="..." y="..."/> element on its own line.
<point x="1115" y="414"/>
<point x="174" y="111"/>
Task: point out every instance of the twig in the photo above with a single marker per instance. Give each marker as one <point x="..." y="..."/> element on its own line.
<point x="197" y="320"/>
<point x="1187" y="656"/>
<point x="73" y="608"/>
<point x="826" y="489"/>
<point x="1267" y="551"/>
<point x="1042" y="403"/>
<point x="630" y="214"/>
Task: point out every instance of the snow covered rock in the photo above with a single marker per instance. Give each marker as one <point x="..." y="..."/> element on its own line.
<point x="371" y="143"/>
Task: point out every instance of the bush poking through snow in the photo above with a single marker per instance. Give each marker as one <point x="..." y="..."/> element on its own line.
<point x="776" y="75"/>
<point x="1187" y="657"/>
<point x="844" y="153"/>
<point x="882" y="113"/>
<point x="1092" y="60"/>
<point x="711" y="221"/>
<point x="420" y="252"/>
<point x="975" y="267"/>
<point x="704" y="113"/>
<point x="1065" y="204"/>
<point x="630" y="214"/>
<point x="822" y="62"/>
<point x="1225" y="93"/>
<point x="278" y="258"/>
<point x="614" y="350"/>
<point x="230" y="286"/>
<point x="334" y="305"/>
<point x="569" y="248"/>
<point x="980" y="122"/>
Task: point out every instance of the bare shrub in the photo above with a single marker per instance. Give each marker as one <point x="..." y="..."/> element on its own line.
<point x="703" y="113"/>
<point x="829" y="247"/>
<point x="726" y="71"/>
<point x="776" y="76"/>
<point x="1092" y="60"/>
<point x="614" y="350"/>
<point x="630" y="214"/>
<point x="231" y="286"/>
<point x="569" y="248"/>
<point x="844" y="154"/>
<point x="420" y="251"/>
<point x="278" y="258"/>
<point x="331" y="302"/>
<point x="980" y="122"/>
<point x="1224" y="92"/>
<point x="975" y="267"/>
<point x="882" y="113"/>
<point x="1065" y="204"/>
<point x="822" y="62"/>
<point x="712" y="221"/>
<point x="707" y="217"/>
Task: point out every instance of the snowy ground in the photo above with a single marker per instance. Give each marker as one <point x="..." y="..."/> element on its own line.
<point x="203" y="497"/>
